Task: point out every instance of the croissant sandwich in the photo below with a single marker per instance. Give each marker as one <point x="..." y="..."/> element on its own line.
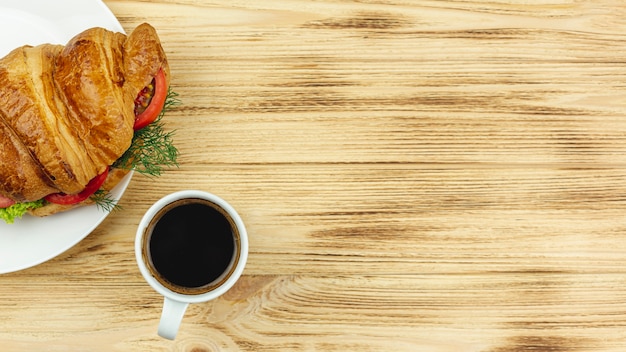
<point x="75" y="119"/>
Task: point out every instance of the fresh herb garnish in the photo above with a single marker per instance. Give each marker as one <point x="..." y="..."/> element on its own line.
<point x="152" y="148"/>
<point x="104" y="201"/>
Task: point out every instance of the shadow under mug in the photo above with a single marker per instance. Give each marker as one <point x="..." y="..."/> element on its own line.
<point x="180" y="254"/>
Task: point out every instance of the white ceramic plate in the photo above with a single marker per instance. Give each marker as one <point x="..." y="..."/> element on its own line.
<point x="31" y="240"/>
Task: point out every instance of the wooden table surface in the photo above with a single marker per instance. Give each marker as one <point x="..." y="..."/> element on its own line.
<point x="414" y="176"/>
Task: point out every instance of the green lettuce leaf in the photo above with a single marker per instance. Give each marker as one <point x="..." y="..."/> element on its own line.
<point x="18" y="209"/>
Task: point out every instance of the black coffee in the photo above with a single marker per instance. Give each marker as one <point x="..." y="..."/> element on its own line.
<point x="191" y="244"/>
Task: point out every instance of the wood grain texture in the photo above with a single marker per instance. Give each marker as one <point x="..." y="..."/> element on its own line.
<point x="414" y="176"/>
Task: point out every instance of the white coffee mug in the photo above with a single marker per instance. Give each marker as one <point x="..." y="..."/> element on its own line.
<point x="190" y="223"/>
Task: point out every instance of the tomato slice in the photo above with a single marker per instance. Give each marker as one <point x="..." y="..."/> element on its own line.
<point x="6" y="202"/>
<point x="91" y="188"/>
<point x="157" y="102"/>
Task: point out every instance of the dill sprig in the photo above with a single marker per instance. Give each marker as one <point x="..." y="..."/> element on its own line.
<point x="171" y="101"/>
<point x="152" y="148"/>
<point x="104" y="201"/>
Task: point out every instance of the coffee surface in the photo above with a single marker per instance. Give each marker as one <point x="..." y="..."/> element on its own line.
<point x="192" y="245"/>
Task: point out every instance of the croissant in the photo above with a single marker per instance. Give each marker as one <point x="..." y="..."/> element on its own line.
<point x="67" y="112"/>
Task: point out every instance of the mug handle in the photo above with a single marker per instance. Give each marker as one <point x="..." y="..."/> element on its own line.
<point x="171" y="317"/>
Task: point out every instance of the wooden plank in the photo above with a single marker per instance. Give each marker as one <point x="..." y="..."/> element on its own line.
<point x="444" y="82"/>
<point x="542" y="311"/>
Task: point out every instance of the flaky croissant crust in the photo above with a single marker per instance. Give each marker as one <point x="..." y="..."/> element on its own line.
<point x="67" y="112"/>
